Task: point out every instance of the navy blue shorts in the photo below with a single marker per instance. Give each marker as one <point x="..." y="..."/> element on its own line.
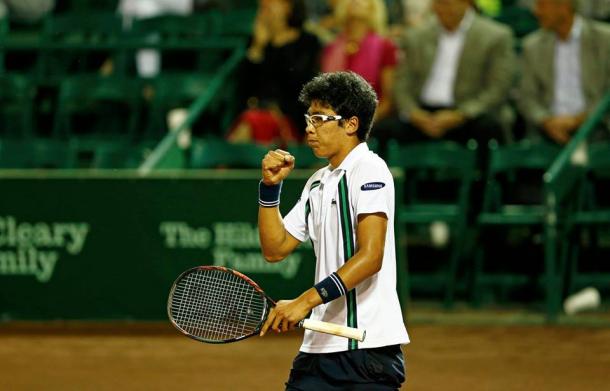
<point x="356" y="370"/>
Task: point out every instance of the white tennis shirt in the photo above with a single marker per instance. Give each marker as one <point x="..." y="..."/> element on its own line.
<point x="327" y="214"/>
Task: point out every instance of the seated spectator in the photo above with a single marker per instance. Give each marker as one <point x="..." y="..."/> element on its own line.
<point x="565" y="70"/>
<point x="28" y="11"/>
<point x="596" y="9"/>
<point x="322" y="20"/>
<point x="417" y="12"/>
<point x="454" y="78"/>
<point x="280" y="59"/>
<point x="360" y="47"/>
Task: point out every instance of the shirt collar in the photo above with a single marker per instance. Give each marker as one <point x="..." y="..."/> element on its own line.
<point x="352" y="157"/>
<point x="576" y="30"/>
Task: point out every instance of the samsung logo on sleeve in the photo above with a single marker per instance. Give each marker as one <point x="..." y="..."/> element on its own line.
<point x="372" y="186"/>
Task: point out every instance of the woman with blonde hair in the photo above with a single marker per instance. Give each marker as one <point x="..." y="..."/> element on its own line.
<point x="361" y="47"/>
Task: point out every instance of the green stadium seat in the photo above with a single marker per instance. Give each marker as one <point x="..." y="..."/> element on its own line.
<point x="176" y="30"/>
<point x="91" y="105"/>
<point x="35" y="153"/>
<point x="519" y="18"/>
<point x="70" y="6"/>
<point x="172" y="91"/>
<point x="92" y="30"/>
<point x="3" y="32"/>
<point x="101" y="154"/>
<point x="16" y="107"/>
<point x="236" y="22"/>
<point x="443" y="164"/>
<point x="139" y="152"/>
<point x="503" y="211"/>
<point x="218" y="153"/>
<point x="591" y="216"/>
<point x="186" y="72"/>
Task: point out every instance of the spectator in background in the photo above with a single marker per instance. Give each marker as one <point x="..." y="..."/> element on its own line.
<point x="454" y="78"/>
<point x="417" y="12"/>
<point x="397" y="18"/>
<point x="322" y="20"/>
<point x="280" y="59"/>
<point x="596" y="9"/>
<point x="324" y="24"/>
<point x="148" y="61"/>
<point x="361" y="47"/>
<point x="28" y="11"/>
<point x="566" y="69"/>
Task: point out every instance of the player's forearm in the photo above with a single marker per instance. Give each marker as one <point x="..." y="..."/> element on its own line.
<point x="361" y="266"/>
<point x="272" y="233"/>
<point x="310" y="299"/>
<point x="357" y="269"/>
<point x="367" y="261"/>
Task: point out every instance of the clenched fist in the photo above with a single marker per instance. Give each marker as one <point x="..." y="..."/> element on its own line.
<point x="276" y="166"/>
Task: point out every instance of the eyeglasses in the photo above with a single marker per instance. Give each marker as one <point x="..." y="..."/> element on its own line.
<point x="317" y="120"/>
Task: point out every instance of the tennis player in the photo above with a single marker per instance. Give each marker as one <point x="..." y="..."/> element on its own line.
<point x="347" y="210"/>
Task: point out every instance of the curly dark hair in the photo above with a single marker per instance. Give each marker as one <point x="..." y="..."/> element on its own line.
<point x="347" y="93"/>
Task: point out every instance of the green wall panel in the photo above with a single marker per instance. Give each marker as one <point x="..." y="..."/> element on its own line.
<point x="101" y="246"/>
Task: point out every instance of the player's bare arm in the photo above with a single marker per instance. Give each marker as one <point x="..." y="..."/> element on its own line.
<point x="276" y="242"/>
<point x="365" y="263"/>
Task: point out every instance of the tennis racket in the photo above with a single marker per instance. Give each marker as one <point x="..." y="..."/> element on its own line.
<point x="216" y="304"/>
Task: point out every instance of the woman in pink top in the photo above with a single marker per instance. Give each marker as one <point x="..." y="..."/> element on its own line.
<point x="361" y="47"/>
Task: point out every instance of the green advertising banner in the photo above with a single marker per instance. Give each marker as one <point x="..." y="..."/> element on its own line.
<point x="108" y="245"/>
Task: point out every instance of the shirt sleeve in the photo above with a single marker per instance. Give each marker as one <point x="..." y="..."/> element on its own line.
<point x="373" y="190"/>
<point x="295" y="221"/>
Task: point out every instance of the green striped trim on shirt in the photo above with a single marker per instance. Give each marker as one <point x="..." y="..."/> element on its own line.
<point x="308" y="204"/>
<point x="347" y="232"/>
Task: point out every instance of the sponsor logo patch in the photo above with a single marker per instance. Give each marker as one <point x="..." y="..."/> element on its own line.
<point x="372" y="186"/>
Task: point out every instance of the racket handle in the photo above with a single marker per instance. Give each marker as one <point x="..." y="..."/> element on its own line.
<point x="334" y="329"/>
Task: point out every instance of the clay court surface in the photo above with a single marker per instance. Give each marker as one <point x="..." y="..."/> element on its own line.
<point x="154" y="357"/>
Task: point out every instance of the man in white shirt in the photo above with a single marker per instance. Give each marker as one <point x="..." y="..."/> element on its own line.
<point x="347" y="210"/>
<point x="565" y="70"/>
<point x="453" y="80"/>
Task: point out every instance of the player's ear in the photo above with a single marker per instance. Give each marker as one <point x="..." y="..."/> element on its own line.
<point x="351" y="125"/>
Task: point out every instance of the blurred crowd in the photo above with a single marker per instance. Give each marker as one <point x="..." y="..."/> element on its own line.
<point x="443" y="69"/>
<point x="455" y="70"/>
<point x="482" y="72"/>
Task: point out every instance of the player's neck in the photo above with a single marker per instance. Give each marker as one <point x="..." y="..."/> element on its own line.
<point x="564" y="29"/>
<point x="338" y="158"/>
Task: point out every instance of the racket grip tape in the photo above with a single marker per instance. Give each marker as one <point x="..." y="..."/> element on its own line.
<point x="334" y="329"/>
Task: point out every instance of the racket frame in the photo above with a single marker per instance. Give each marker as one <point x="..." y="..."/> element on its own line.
<point x="339" y="330"/>
<point x="267" y="300"/>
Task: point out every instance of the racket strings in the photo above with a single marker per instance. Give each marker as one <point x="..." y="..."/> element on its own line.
<point x="216" y="305"/>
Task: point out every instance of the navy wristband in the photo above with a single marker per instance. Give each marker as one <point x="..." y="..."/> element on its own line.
<point x="331" y="288"/>
<point x="269" y="195"/>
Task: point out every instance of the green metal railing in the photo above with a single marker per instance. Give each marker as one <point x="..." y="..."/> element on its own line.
<point x="559" y="176"/>
<point x="169" y="154"/>
<point x="560" y="182"/>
